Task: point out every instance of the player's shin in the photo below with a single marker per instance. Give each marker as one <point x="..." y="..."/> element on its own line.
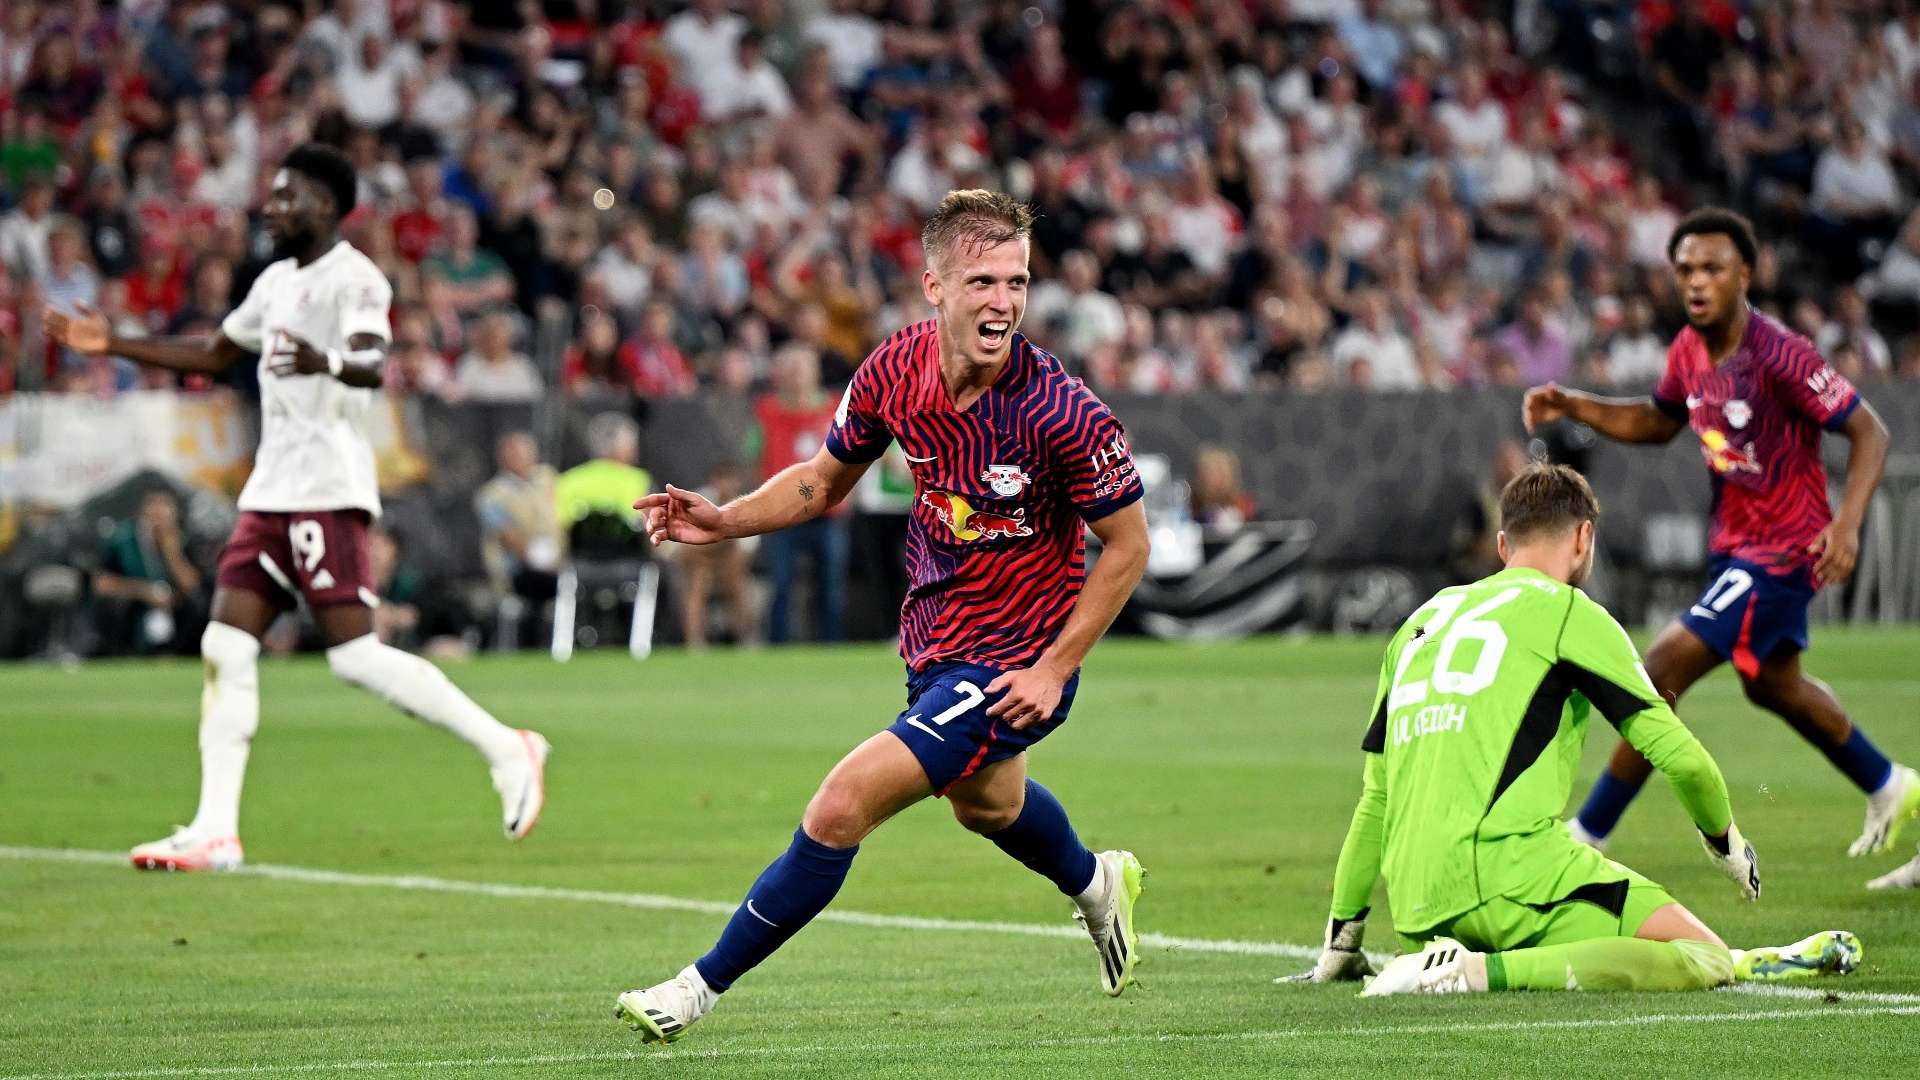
<point x="1612" y="964"/>
<point x="788" y="894"/>
<point x="229" y="716"/>
<point x="1044" y="841"/>
<point x="1608" y="800"/>
<point x="424" y="691"/>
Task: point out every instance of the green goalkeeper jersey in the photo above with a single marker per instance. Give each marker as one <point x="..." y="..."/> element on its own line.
<point x="1475" y="737"/>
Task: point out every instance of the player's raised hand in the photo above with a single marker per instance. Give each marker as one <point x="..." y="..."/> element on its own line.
<point x="1735" y="858"/>
<point x="294" y="356"/>
<point x="682" y="516"/>
<point x="1543" y="405"/>
<point x="1838" y="546"/>
<point x="86" y="332"/>
<point x="1032" y="695"/>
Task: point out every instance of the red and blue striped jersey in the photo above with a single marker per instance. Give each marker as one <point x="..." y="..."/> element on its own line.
<point x="1759" y="414"/>
<point x="996" y="544"/>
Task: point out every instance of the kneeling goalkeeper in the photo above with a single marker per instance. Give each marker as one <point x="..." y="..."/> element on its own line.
<point x="1477" y="727"/>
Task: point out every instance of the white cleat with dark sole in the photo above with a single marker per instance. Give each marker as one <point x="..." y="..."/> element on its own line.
<point x="1112" y="929"/>
<point x="663" y="1013"/>
<point x="1444" y="967"/>
<point x="190" y="851"/>
<point x="1888" y="811"/>
<point x="523" y="785"/>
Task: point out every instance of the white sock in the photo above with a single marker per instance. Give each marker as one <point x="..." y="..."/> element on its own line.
<point x="423" y="691"/>
<point x="229" y="715"/>
<point x="1891" y="788"/>
<point x="1099" y="892"/>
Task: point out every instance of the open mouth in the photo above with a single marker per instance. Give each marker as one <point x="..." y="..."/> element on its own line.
<point x="1698" y="305"/>
<point x="994" y="333"/>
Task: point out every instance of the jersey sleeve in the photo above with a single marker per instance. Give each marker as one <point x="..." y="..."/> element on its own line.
<point x="1365" y="846"/>
<point x="246" y="324"/>
<point x="858" y="434"/>
<point x="1604" y="668"/>
<point x="1670" y="394"/>
<point x="1097" y="463"/>
<point x="364" y="301"/>
<point x="1809" y="386"/>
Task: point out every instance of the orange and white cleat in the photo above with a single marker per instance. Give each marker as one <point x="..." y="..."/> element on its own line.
<point x="189" y="850"/>
<point x="522" y="785"/>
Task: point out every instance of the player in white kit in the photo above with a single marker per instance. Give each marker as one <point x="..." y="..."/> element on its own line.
<point x="318" y="319"/>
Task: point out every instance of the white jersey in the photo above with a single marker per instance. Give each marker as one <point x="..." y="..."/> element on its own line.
<point x="313" y="453"/>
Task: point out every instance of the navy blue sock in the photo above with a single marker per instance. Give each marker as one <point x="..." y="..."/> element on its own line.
<point x="1862" y="761"/>
<point x="790" y="892"/>
<point x="1043" y="839"/>
<point x="1609" y="799"/>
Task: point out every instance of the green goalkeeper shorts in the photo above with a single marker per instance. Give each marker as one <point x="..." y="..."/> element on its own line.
<point x="1593" y="897"/>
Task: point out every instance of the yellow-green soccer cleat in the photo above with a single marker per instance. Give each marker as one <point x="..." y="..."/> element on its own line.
<point x="1112" y="931"/>
<point x="1888" y="811"/>
<point x="1829" y="952"/>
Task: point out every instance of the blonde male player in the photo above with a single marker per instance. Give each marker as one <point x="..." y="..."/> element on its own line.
<point x="318" y="316"/>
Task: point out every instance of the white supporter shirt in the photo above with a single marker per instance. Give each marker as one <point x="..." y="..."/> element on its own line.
<point x="313" y="454"/>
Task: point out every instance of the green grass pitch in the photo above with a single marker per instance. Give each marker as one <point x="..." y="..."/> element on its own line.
<point x="1231" y="770"/>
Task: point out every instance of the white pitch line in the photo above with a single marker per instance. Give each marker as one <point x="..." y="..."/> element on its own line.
<point x="658" y="902"/>
<point x="664" y="1057"/>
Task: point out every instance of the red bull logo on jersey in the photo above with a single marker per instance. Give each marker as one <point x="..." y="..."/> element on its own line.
<point x="969" y="524"/>
<point x="1723" y="457"/>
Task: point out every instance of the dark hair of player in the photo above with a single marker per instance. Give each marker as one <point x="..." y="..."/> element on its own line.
<point x="329" y="168"/>
<point x="1717" y="219"/>
<point x="980" y="219"/>
<point x="1545" y="499"/>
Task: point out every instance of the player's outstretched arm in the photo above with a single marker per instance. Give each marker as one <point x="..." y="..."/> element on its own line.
<point x="1630" y="420"/>
<point x="797" y="493"/>
<point x="88" y="332"/>
<point x="1838" y="545"/>
<point x="1353" y="880"/>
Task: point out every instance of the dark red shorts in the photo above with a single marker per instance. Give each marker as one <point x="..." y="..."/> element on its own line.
<point x="318" y="554"/>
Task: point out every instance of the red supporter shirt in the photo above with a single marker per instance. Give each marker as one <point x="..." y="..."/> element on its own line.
<point x="996" y="542"/>
<point x="1759" y="414"/>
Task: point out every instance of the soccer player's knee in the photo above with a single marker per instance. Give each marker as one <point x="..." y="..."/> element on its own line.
<point x="231" y="655"/>
<point x="981" y="818"/>
<point x="366" y="662"/>
<point x="835" y="818"/>
<point x="1764" y="691"/>
<point x="1709" y="963"/>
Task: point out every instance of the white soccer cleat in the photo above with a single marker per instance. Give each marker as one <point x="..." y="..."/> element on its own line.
<point x="663" y="1013"/>
<point x="1579" y="833"/>
<point x="1444" y="967"/>
<point x="1112" y="928"/>
<point x="189" y="850"/>
<point x="1888" y="811"/>
<point x="1904" y="876"/>
<point x="523" y="786"/>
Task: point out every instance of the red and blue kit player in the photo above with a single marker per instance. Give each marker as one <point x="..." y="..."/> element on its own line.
<point x="1758" y="396"/>
<point x="1012" y="459"/>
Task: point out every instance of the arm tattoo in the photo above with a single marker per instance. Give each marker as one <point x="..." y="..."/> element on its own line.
<point x="806" y="491"/>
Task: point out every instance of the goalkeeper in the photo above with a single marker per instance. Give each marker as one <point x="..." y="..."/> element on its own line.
<point x="1478" y="722"/>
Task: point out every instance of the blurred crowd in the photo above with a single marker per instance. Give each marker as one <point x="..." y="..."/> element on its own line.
<point x="1232" y="193"/>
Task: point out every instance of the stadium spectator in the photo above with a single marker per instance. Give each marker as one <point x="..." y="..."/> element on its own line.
<point x="1855" y="198"/>
<point x="1371" y="351"/>
<point x="790" y="422"/>
<point x="521" y="542"/>
<point x="23" y="231"/>
<point x="147" y="594"/>
<point x="1636" y="355"/>
<point x="1539" y="351"/>
<point x="476" y="278"/>
<point x="493" y="371"/>
<point x="1217" y="497"/>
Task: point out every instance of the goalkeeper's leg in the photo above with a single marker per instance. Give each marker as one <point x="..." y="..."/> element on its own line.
<point x="1612" y="964"/>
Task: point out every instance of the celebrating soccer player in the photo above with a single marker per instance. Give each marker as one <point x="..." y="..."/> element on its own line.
<point x="318" y="317"/>
<point x="1483" y="704"/>
<point x="1758" y="396"/>
<point x="1010" y="456"/>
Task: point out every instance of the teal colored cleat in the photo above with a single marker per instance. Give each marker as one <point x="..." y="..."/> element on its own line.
<point x="1829" y="952"/>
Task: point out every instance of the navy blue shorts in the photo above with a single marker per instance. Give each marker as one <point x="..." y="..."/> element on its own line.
<point x="946" y="724"/>
<point x="1748" y="612"/>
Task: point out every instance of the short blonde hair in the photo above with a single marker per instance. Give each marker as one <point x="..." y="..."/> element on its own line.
<point x="978" y="218"/>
